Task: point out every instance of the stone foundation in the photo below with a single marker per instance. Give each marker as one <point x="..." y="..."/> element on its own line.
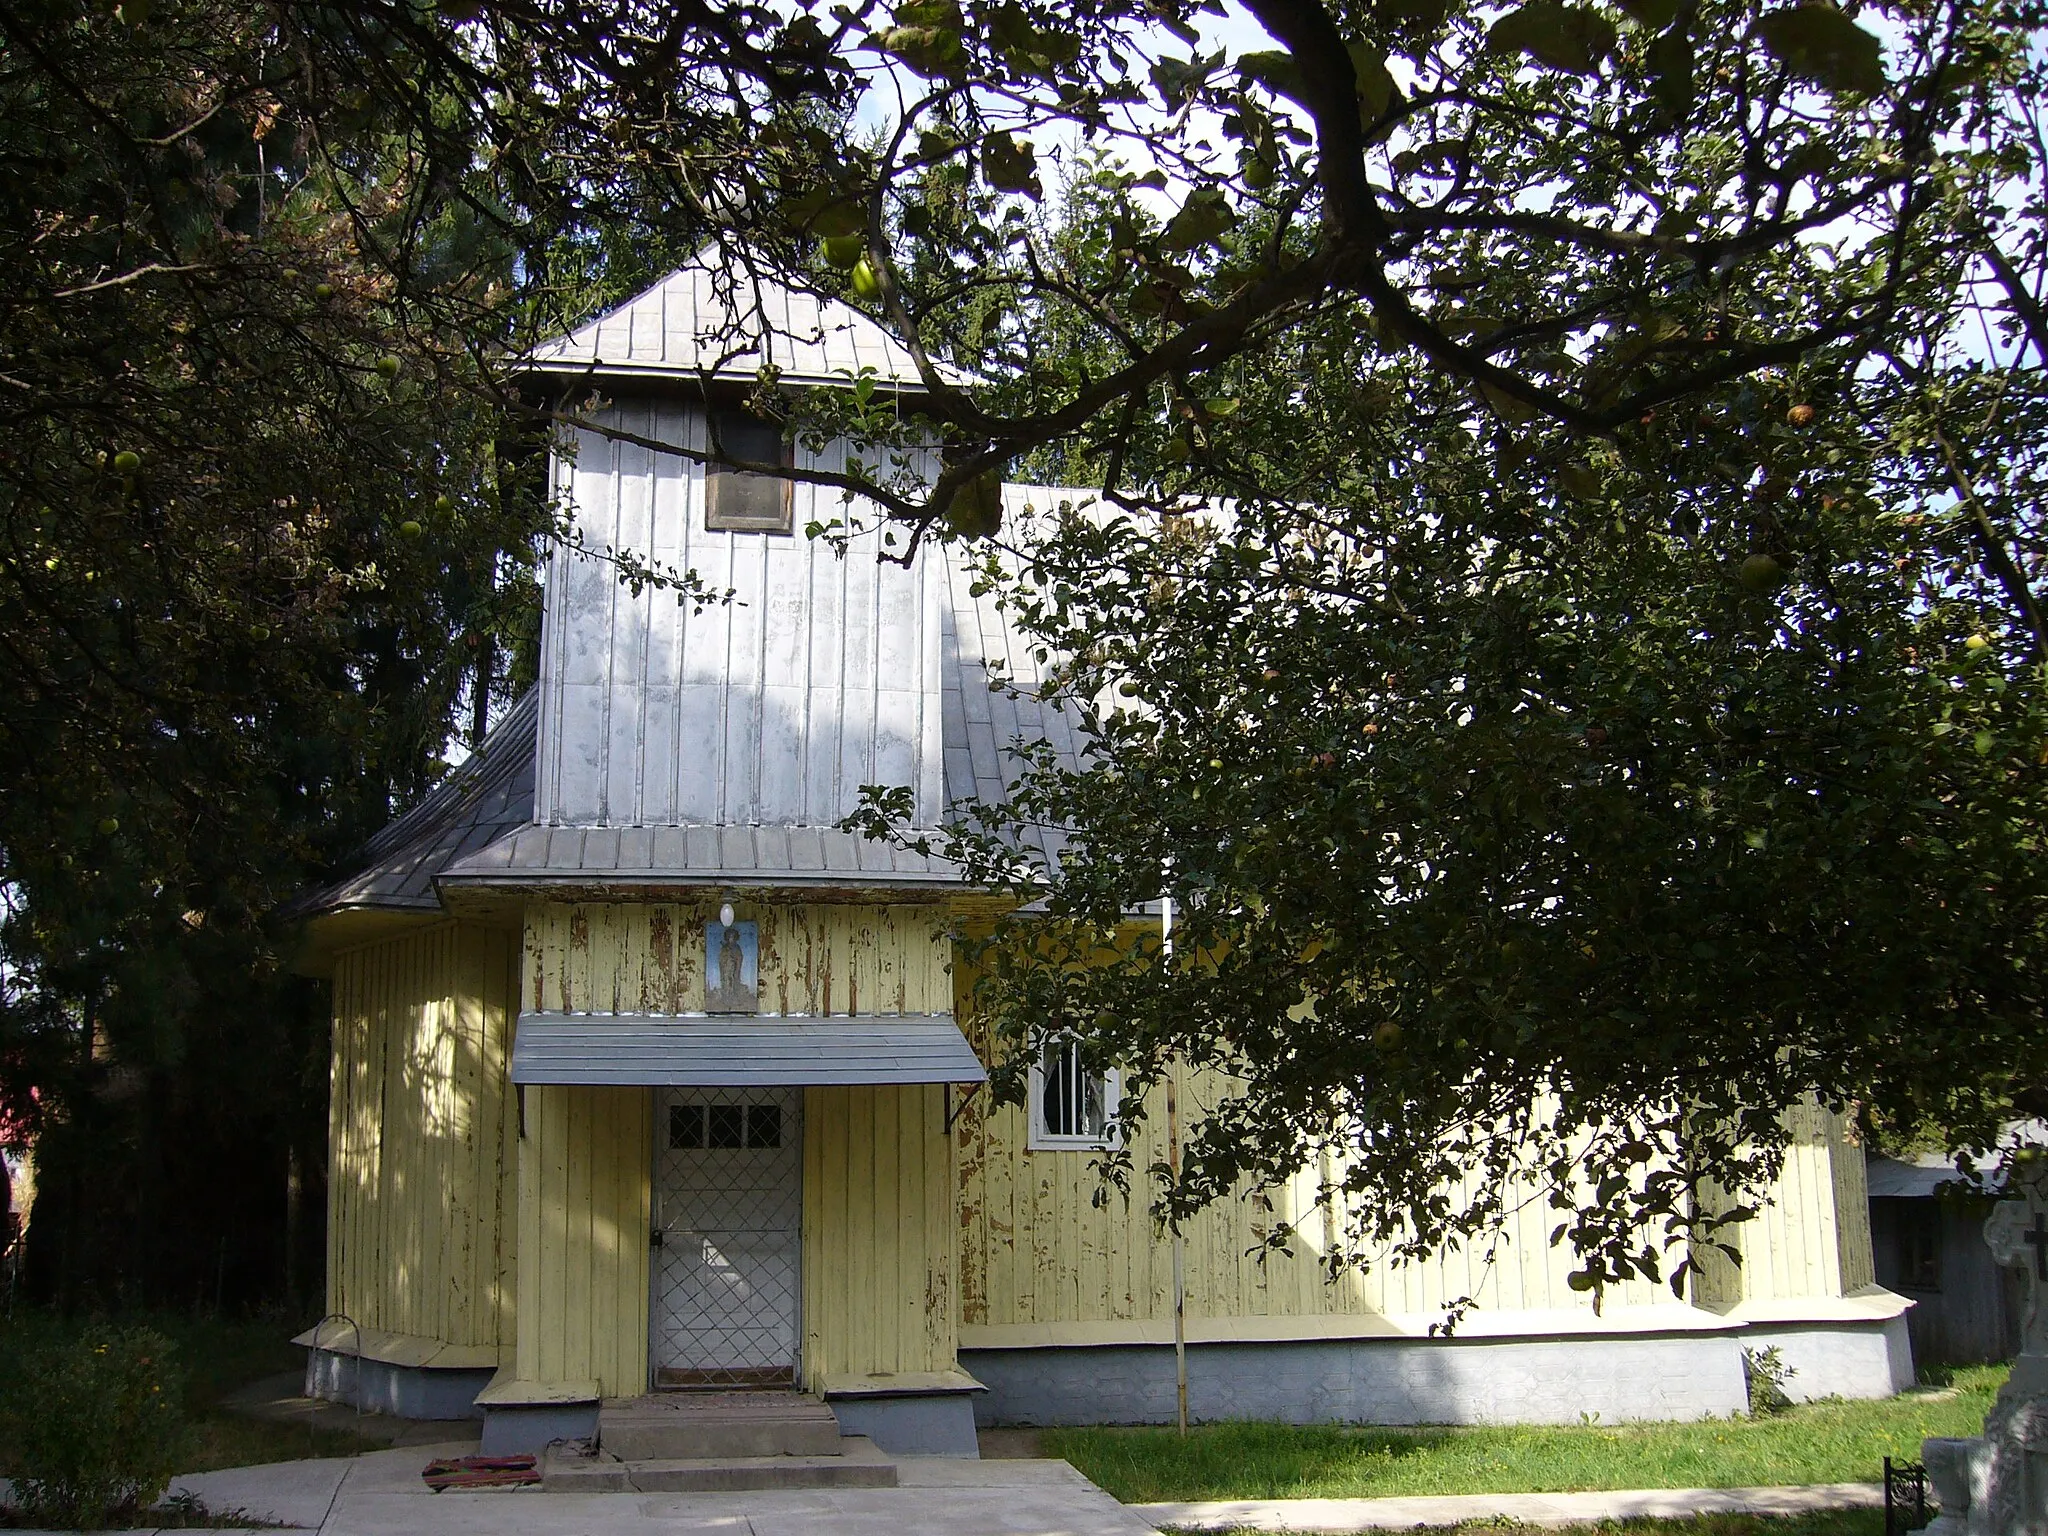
<point x="1613" y="1376"/>
<point x="404" y="1391"/>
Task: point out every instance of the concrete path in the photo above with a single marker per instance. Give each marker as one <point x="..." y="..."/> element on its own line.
<point x="380" y="1494"/>
<point x="1546" y="1509"/>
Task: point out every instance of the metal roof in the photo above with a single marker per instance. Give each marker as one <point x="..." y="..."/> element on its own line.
<point x="487" y="795"/>
<point x="982" y="721"/>
<point x="708" y="1051"/>
<point x="718" y="320"/>
<point x="1927" y="1174"/>
<point x="479" y="828"/>
<point x="694" y="855"/>
<point x="820" y="675"/>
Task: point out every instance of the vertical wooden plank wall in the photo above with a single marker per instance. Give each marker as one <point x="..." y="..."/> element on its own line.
<point x="879" y="1250"/>
<point x="420" y="1132"/>
<point x="815" y="959"/>
<point x="1043" y="1242"/>
<point x="1855" y="1253"/>
<point x="1813" y="1238"/>
<point x="584" y="1166"/>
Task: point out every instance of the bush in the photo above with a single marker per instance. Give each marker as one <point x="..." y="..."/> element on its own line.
<point x="99" y="1426"/>
<point x="1766" y="1373"/>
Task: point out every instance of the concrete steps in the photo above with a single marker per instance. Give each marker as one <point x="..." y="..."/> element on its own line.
<point x="567" y="1468"/>
<point x="715" y="1442"/>
<point x="707" y="1426"/>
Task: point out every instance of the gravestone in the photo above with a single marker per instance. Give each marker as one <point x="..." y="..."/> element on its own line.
<point x="1997" y="1484"/>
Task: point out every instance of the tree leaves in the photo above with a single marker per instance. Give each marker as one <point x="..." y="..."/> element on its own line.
<point x="1816" y="42"/>
<point x="1653" y="14"/>
<point x="1202" y="220"/>
<point x="1567" y="37"/>
<point x="927" y="37"/>
<point x="1010" y="164"/>
<point x="1671" y="66"/>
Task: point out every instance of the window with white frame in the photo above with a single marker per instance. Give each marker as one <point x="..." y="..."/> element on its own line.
<point x="1071" y="1106"/>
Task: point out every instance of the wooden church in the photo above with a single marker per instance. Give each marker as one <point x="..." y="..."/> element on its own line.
<point x="649" y="1079"/>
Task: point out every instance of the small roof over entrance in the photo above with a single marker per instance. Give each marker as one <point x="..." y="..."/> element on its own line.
<point x="747" y="1051"/>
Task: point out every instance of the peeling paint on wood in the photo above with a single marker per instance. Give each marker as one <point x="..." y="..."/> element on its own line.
<point x="1044" y="1241"/>
<point x="815" y="960"/>
<point x="421" y="1133"/>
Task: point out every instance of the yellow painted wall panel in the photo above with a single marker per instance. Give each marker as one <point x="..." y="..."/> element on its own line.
<point x="1043" y="1241"/>
<point x="816" y="959"/>
<point x="1812" y="1237"/>
<point x="583" y="1221"/>
<point x="879" y="1241"/>
<point x="880" y="1251"/>
<point x="419" y="1129"/>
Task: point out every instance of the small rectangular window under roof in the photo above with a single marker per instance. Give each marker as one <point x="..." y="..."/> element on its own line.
<point x="721" y="1051"/>
<point x="734" y="500"/>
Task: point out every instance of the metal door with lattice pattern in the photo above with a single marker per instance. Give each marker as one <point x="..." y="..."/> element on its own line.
<point x="728" y="1166"/>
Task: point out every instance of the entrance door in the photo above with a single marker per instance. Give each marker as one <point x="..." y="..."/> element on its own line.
<point x="728" y="1217"/>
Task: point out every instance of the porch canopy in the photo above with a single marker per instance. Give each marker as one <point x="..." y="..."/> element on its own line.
<point x="741" y="1051"/>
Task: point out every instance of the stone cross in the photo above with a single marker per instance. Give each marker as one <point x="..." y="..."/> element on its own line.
<point x="1997" y="1484"/>
<point x="2018" y="1235"/>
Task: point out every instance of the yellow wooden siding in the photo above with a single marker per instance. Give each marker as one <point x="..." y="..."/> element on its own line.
<point x="878" y="1233"/>
<point x="613" y="957"/>
<point x="421" y="1135"/>
<point x="1852" y="1209"/>
<point x="879" y="1236"/>
<point x="1812" y="1236"/>
<point x="1043" y="1242"/>
<point x="584" y="1165"/>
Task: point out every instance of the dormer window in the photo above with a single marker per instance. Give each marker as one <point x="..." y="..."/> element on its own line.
<point x="734" y="500"/>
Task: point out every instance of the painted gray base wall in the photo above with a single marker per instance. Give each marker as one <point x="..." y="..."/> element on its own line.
<point x="404" y="1391"/>
<point x="1414" y="1381"/>
<point x="938" y="1424"/>
<point x="1840" y="1360"/>
<point x="517" y="1431"/>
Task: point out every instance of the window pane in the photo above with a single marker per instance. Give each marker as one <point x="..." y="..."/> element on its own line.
<point x="764" y="1125"/>
<point x="724" y="1126"/>
<point x="1071" y="1102"/>
<point x="1094" y="1113"/>
<point x="1919" y="1245"/>
<point x="1056" y="1095"/>
<point x="741" y="502"/>
<point x="744" y="435"/>
<point x="686" y="1125"/>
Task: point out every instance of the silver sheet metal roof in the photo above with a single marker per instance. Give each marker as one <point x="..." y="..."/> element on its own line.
<point x="715" y="320"/>
<point x="694" y="855"/>
<point x="478" y="827"/>
<point x="479" y="801"/>
<point x="633" y="1049"/>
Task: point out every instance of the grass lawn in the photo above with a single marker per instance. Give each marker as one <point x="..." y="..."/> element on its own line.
<point x="1847" y="1522"/>
<point x="217" y="1356"/>
<point x="1830" y="1442"/>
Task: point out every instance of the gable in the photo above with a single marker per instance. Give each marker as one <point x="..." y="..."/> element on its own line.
<point x="723" y="322"/>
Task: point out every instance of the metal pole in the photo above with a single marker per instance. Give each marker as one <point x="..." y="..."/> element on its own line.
<point x="1180" y="1285"/>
